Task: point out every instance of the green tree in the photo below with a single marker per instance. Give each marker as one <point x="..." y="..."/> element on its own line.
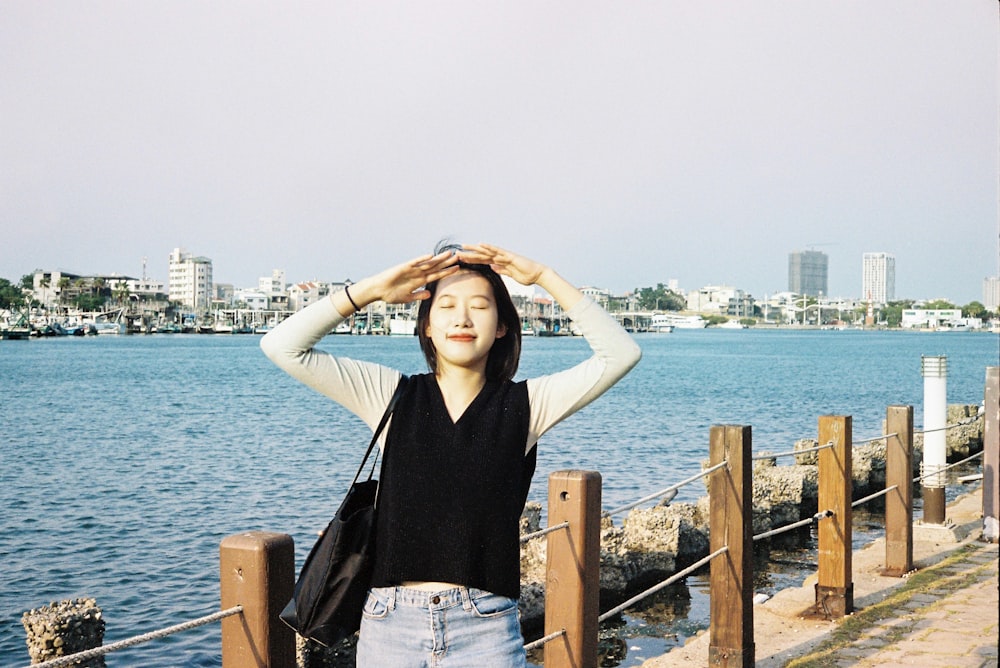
<point x="11" y="296"/>
<point x="892" y="312"/>
<point x="938" y="305"/>
<point x="974" y="310"/>
<point x="122" y="293"/>
<point x="63" y="286"/>
<point x="659" y="299"/>
<point x="45" y="283"/>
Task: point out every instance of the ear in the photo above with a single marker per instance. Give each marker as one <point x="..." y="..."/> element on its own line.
<point x="501" y="330"/>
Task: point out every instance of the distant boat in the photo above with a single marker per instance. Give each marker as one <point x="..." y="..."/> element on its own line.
<point x="402" y="326"/>
<point x="15" y="333"/>
<point x="732" y="324"/>
<point x="683" y="321"/>
<point x="661" y="324"/>
<point x="110" y="327"/>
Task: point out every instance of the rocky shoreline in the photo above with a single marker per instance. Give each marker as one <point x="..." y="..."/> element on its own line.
<point x="651" y="544"/>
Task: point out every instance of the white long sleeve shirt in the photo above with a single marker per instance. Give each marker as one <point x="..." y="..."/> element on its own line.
<point x="364" y="388"/>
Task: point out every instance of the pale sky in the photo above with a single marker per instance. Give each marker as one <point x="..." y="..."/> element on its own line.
<point x="624" y="143"/>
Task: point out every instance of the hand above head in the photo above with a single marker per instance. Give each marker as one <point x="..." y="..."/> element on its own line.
<point x="524" y="271"/>
<point x="518" y="267"/>
<point x="401" y="284"/>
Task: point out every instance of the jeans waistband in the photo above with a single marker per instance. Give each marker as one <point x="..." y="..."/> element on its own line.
<point x="420" y="598"/>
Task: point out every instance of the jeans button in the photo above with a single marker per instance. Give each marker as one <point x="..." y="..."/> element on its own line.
<point x="435" y="600"/>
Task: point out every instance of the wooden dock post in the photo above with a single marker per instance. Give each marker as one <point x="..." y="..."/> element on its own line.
<point x="899" y="502"/>
<point x="730" y="489"/>
<point x="572" y="583"/>
<point x="835" y="588"/>
<point x="257" y="571"/>
<point x="991" y="455"/>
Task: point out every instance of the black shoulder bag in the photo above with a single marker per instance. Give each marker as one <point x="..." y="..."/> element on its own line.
<point x="330" y="592"/>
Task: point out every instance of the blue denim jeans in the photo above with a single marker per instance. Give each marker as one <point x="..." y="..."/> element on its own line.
<point x="411" y="628"/>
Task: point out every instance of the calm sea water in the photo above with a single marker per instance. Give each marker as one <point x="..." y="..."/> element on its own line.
<point x="126" y="460"/>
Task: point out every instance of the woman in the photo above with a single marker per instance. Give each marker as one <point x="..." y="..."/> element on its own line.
<point x="459" y="451"/>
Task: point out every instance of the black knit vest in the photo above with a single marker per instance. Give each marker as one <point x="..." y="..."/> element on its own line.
<point x="451" y="494"/>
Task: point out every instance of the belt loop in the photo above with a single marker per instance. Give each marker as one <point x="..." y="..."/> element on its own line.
<point x="466" y="598"/>
<point x="392" y="598"/>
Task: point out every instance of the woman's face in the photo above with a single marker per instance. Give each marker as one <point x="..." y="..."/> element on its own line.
<point x="463" y="322"/>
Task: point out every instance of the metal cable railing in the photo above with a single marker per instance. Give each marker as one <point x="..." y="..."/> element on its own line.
<point x="88" y="654"/>
<point x="542" y="532"/>
<point x="960" y="423"/>
<point x="664" y="492"/>
<point x="823" y="514"/>
<point x="790" y="453"/>
<point x="874" y="496"/>
<point x="666" y="583"/>
<point x="546" y="639"/>
<point x="949" y="466"/>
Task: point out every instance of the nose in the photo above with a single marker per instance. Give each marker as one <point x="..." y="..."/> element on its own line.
<point x="461" y="317"/>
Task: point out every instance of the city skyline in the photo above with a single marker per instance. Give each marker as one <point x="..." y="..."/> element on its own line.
<point x="877" y="267"/>
<point x="623" y="145"/>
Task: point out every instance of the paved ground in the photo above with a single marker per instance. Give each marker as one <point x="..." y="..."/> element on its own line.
<point x="951" y="619"/>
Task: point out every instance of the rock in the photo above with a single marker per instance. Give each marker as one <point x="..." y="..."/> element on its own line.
<point x="63" y="628"/>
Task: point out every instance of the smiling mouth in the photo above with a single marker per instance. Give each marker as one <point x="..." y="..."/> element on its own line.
<point x="462" y="337"/>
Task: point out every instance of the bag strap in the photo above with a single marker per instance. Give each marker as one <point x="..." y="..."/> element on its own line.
<point x="381" y="425"/>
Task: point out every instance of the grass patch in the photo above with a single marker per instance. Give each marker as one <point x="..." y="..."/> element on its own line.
<point x="853" y="627"/>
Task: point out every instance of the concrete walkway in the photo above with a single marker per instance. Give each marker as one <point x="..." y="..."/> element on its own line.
<point x="945" y="614"/>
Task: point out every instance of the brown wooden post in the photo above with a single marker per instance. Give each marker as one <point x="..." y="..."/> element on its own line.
<point x="730" y="491"/>
<point x="572" y="583"/>
<point x="991" y="455"/>
<point x="835" y="588"/>
<point x="257" y="571"/>
<point x="899" y="502"/>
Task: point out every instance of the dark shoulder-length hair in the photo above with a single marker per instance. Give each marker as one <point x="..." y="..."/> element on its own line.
<point x="505" y="354"/>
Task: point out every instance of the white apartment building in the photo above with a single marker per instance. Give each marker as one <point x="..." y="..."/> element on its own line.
<point x="190" y="280"/>
<point x="711" y="298"/>
<point x="273" y="284"/>
<point x="878" y="278"/>
<point x="302" y="295"/>
<point x="991" y="293"/>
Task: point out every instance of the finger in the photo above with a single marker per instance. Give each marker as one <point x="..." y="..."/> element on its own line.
<point x="432" y="262"/>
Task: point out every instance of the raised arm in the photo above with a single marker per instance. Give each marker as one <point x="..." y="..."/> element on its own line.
<point x="557" y="396"/>
<point x="362" y="387"/>
<point x="524" y="271"/>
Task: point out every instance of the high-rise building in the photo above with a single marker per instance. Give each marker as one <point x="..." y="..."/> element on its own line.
<point x="807" y="273"/>
<point x="190" y="281"/>
<point x="991" y="293"/>
<point x="878" y="278"/>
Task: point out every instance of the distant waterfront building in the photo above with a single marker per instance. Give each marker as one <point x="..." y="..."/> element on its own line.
<point x="807" y="273"/>
<point x="50" y="287"/>
<point x="991" y="293"/>
<point x="599" y="295"/>
<point x="250" y="298"/>
<point x="146" y="287"/>
<point x="931" y="318"/>
<point x="302" y="295"/>
<point x="712" y="298"/>
<point x="190" y="281"/>
<point x="273" y="284"/>
<point x="878" y="278"/>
